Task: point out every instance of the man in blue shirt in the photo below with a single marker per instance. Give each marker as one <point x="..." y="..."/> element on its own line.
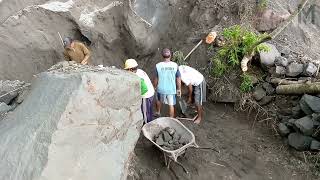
<point x="167" y="83"/>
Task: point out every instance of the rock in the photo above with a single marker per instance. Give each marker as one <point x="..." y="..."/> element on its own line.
<point x="281" y="61"/>
<point x="8" y="97"/>
<point x="285" y="52"/>
<point x="291" y="122"/>
<point x="268" y="58"/>
<point x="310" y="69"/>
<point x="269" y="88"/>
<point x="171" y="131"/>
<point x="269" y="20"/>
<point x="159" y="141"/>
<point x="22" y="95"/>
<point x="316" y="117"/>
<point x="283" y="129"/>
<point x="266" y="100"/>
<point x="315" y="145"/>
<point x="176" y="137"/>
<point x="166" y="136"/>
<point x="299" y="141"/>
<point x="4" y="108"/>
<point x="280" y="70"/>
<point x="305" y="125"/>
<point x="310" y="104"/>
<point x="297" y="112"/>
<point x="259" y="93"/>
<point x="54" y="135"/>
<point x="294" y="69"/>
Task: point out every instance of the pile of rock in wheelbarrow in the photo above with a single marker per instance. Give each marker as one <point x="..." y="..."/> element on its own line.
<point x="170" y="139"/>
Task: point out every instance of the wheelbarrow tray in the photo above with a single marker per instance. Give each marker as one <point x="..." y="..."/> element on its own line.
<point x="152" y="129"/>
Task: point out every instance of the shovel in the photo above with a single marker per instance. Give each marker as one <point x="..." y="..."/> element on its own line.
<point x="183" y="105"/>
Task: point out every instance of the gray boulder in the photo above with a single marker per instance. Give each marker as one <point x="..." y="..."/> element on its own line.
<point x="283" y="129"/>
<point x="310" y="104"/>
<point x="310" y="69"/>
<point x="299" y="141"/>
<point x="281" y="61"/>
<point x="259" y="93"/>
<point x="305" y="125"/>
<point x="280" y="70"/>
<point x="315" y="145"/>
<point x="316" y="117"/>
<point x="268" y="58"/>
<point x="270" y="90"/>
<point x="82" y="124"/>
<point x="7" y="97"/>
<point x="266" y="100"/>
<point x="297" y="112"/>
<point x="294" y="69"/>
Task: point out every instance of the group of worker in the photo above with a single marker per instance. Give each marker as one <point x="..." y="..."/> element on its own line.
<point x="167" y="81"/>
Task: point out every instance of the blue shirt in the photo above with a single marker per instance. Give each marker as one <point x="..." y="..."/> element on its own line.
<point x="167" y="72"/>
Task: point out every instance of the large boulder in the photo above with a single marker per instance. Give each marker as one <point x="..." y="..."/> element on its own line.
<point x="310" y="104"/>
<point x="268" y="58"/>
<point x="77" y="123"/>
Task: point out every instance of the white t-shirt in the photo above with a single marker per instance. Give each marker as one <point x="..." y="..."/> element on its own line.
<point x="147" y="80"/>
<point x="190" y="76"/>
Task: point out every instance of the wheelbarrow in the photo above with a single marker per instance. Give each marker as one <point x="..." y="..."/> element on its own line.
<point x="153" y="128"/>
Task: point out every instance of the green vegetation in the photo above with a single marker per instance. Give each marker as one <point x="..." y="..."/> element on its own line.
<point x="178" y="57"/>
<point x="238" y="43"/>
<point x="263" y="4"/>
<point x="246" y="84"/>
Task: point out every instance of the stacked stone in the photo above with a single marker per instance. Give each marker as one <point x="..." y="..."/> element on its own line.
<point x="303" y="129"/>
<point x="170" y="139"/>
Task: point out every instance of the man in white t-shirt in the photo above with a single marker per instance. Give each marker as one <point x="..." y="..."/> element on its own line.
<point x="196" y="88"/>
<point x="147" y="98"/>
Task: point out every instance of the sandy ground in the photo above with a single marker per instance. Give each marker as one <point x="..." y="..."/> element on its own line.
<point x="244" y="153"/>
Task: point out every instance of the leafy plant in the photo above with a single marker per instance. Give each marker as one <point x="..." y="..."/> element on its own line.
<point x="239" y="42"/>
<point x="178" y="57"/>
<point x="220" y="67"/>
<point x="246" y="84"/>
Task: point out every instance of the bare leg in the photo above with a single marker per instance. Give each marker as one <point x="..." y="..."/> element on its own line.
<point x="171" y="111"/>
<point x="200" y="113"/>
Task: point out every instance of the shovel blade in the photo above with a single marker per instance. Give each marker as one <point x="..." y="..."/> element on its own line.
<point x="183" y="105"/>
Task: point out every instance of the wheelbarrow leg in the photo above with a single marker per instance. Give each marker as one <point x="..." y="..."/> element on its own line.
<point x="184" y="169"/>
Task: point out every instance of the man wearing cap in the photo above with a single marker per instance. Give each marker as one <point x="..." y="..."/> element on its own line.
<point x="147" y="96"/>
<point x="196" y="84"/>
<point x="167" y="83"/>
<point x="75" y="51"/>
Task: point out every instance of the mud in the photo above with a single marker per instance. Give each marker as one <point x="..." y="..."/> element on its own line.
<point x="245" y="153"/>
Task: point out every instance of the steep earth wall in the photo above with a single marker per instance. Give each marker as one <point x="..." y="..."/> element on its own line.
<point x="77" y="123"/>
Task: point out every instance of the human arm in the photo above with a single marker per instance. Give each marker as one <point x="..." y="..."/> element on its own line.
<point x="190" y="89"/>
<point x="155" y="79"/>
<point x="86" y="53"/>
